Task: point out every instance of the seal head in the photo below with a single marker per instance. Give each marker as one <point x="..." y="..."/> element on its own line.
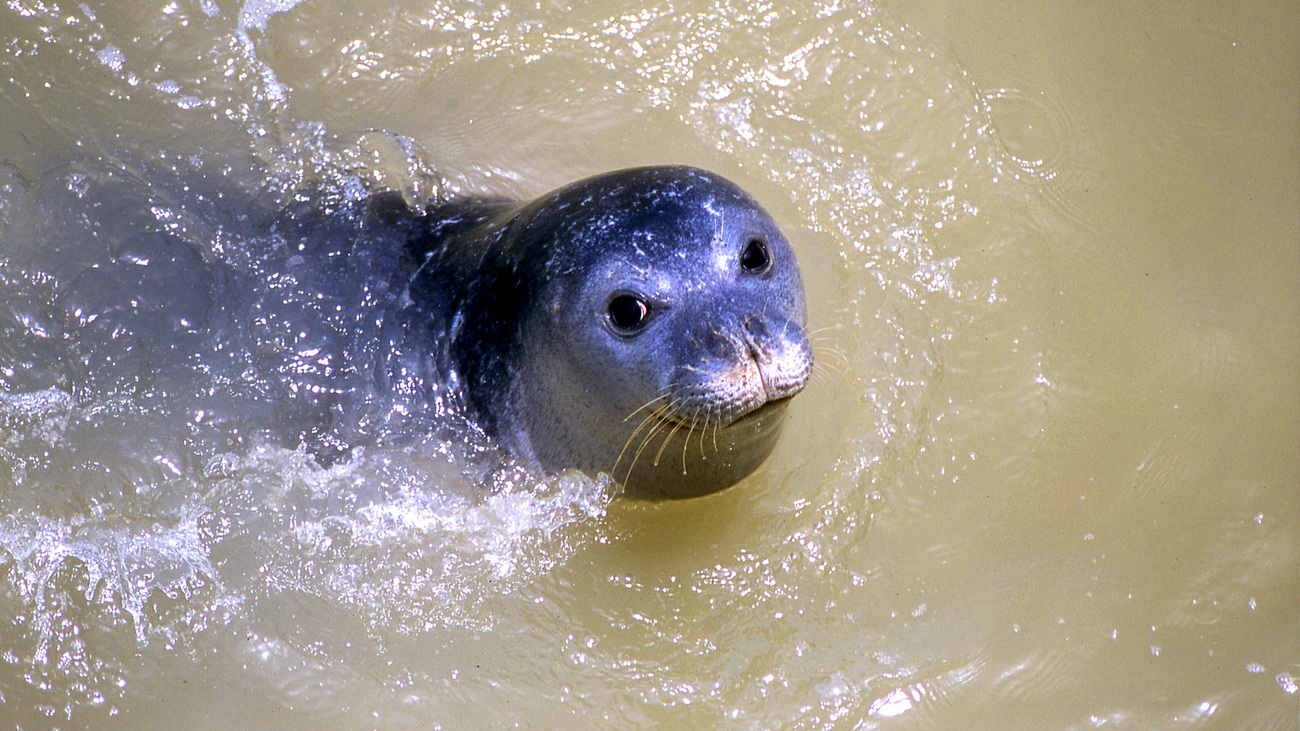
<point x="647" y="323"/>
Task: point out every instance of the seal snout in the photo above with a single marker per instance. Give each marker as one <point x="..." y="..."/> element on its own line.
<point x="740" y="370"/>
<point x="783" y="362"/>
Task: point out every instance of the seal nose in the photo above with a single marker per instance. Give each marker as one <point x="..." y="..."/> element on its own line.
<point x="754" y="329"/>
<point x="783" y="358"/>
<point x="736" y="363"/>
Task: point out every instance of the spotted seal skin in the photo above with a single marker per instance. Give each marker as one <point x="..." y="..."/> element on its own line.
<point x="647" y="323"/>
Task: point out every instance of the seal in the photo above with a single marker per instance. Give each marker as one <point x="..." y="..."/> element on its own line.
<point x="647" y="323"/>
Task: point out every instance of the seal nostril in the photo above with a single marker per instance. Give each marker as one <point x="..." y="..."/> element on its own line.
<point x="753" y="332"/>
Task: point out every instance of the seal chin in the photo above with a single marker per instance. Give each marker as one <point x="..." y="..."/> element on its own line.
<point x="679" y="460"/>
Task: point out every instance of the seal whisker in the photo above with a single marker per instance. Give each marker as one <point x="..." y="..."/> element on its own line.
<point x="662" y="395"/>
<point x="817" y="332"/>
<point x="660" y="421"/>
<point x="654" y="405"/>
<point x="628" y="472"/>
<point x="652" y="417"/>
<point x="828" y="350"/>
<point x="658" y="426"/>
<point x="667" y="439"/>
<point x="686" y="442"/>
<point x="704" y="426"/>
<point x="837" y="364"/>
<point x="821" y="339"/>
<point x="717" y="428"/>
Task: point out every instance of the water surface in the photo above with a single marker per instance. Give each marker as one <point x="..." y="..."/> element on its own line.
<point x="1047" y="476"/>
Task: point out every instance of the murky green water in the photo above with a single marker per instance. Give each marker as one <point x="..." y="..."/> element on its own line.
<point x="1048" y="475"/>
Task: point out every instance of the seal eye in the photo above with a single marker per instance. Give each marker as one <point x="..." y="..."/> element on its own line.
<point x="627" y="313"/>
<point x="754" y="258"/>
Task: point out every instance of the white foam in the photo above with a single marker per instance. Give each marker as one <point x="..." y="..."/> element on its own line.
<point x="111" y="57"/>
<point x="255" y="13"/>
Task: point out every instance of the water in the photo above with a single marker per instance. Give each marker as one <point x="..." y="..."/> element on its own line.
<point x="1047" y="475"/>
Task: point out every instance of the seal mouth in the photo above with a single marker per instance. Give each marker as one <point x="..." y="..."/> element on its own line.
<point x="755" y="415"/>
<point x="762" y="411"/>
